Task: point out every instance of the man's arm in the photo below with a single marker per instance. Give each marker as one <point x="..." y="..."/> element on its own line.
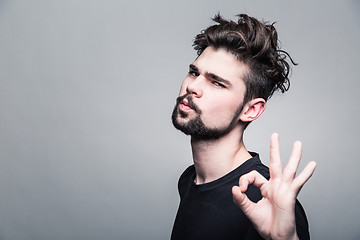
<point x="274" y="215"/>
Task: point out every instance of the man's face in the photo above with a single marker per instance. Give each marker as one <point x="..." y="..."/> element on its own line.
<point x="211" y="95"/>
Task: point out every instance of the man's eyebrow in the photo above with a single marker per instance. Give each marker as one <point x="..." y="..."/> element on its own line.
<point x="193" y="67"/>
<point x="217" y="78"/>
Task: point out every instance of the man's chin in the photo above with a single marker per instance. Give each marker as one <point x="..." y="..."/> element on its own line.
<point x="180" y="124"/>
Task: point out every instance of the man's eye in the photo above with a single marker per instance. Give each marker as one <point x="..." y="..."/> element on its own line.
<point x="193" y="73"/>
<point x="218" y="84"/>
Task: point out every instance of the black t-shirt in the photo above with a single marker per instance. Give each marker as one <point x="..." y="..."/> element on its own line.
<point x="207" y="211"/>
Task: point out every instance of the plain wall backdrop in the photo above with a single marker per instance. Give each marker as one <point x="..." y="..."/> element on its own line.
<point x="87" y="87"/>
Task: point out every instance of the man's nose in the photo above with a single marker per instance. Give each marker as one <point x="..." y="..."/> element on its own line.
<point x="195" y="88"/>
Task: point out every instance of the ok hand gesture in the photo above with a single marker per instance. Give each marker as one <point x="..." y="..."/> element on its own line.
<point x="274" y="215"/>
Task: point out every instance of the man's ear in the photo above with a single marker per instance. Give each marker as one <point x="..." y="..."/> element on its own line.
<point x="252" y="109"/>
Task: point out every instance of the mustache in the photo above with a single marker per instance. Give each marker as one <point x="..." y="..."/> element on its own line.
<point x="190" y="102"/>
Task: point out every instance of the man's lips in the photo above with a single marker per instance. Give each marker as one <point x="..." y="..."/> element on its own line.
<point x="185" y="103"/>
<point x="185" y="106"/>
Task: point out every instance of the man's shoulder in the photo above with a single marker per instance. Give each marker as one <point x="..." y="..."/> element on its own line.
<point x="189" y="173"/>
<point x="254" y="163"/>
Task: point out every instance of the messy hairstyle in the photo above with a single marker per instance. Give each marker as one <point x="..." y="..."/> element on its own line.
<point x="256" y="44"/>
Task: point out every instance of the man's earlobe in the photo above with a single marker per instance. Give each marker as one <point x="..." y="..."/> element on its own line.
<point x="253" y="109"/>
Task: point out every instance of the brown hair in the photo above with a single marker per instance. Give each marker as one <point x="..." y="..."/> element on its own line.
<point x="256" y="44"/>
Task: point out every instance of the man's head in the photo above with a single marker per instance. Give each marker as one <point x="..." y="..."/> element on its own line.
<point x="239" y="66"/>
<point x="256" y="44"/>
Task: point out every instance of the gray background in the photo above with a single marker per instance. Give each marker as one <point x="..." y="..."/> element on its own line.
<point x="87" y="149"/>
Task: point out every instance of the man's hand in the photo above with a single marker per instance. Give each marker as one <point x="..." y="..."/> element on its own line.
<point x="274" y="215"/>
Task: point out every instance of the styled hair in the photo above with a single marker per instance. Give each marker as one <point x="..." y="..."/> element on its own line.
<point x="256" y="44"/>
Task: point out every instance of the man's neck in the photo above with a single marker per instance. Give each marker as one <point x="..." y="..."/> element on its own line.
<point x="215" y="158"/>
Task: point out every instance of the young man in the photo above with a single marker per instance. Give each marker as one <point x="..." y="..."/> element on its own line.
<point x="238" y="68"/>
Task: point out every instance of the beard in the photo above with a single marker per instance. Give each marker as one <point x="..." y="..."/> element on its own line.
<point x="195" y="127"/>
